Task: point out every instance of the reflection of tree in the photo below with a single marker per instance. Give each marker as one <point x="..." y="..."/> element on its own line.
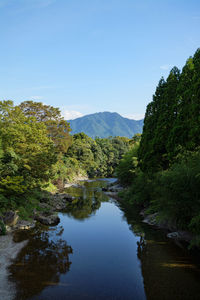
<point x="83" y="208"/>
<point x="168" y="271"/>
<point x="40" y="263"/>
<point x="141" y="247"/>
<point x="88" y="201"/>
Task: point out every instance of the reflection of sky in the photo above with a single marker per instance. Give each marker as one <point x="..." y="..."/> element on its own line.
<point x="105" y="255"/>
<point x="110" y="260"/>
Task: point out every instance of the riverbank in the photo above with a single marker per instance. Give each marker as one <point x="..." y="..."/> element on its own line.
<point x="8" y="252"/>
<point x="154" y="220"/>
<point x="95" y="236"/>
<point x="173" y="231"/>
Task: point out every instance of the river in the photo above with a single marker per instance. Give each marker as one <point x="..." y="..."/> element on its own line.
<point x="102" y="250"/>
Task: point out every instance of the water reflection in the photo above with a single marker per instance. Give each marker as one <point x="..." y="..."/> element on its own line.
<point x="41" y="262"/>
<point x="106" y="256"/>
<point x="88" y="199"/>
<point x="169" y="272"/>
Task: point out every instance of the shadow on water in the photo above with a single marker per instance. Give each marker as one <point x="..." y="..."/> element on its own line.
<point x="165" y="271"/>
<point x="41" y="262"/>
<point x="169" y="271"/>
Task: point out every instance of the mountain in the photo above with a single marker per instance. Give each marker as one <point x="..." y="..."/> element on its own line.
<point x="105" y="124"/>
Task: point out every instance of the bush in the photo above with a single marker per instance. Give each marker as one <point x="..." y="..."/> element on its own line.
<point x="140" y="191"/>
<point x="126" y="170"/>
<point x="178" y="194"/>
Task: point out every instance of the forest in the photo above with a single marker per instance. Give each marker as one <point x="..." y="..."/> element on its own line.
<point x="162" y="172"/>
<point x="37" y="154"/>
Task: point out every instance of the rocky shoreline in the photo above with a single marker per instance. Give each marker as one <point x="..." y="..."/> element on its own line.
<point x="10" y="223"/>
<point x="173" y="231"/>
<point x="153" y="219"/>
<point x="54" y="203"/>
<point x="46" y="214"/>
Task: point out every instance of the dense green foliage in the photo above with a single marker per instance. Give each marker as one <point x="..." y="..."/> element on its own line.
<point x="178" y="193"/>
<point x="29" y="149"/>
<point x="37" y="152"/>
<point x="58" y="129"/>
<point x="106" y="124"/>
<point x="127" y="168"/>
<point x="172" y="119"/>
<point x="165" y="175"/>
<point x="98" y="157"/>
<point x="27" y="152"/>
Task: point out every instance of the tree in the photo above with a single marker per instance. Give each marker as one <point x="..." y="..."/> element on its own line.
<point x="150" y="150"/>
<point x="28" y="152"/>
<point x="58" y="129"/>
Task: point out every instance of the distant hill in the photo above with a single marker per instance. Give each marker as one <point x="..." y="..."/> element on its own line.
<point x="105" y="124"/>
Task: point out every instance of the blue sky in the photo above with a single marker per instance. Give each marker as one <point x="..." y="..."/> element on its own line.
<point x="86" y="56"/>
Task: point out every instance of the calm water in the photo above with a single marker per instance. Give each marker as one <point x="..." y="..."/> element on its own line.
<point x="102" y="251"/>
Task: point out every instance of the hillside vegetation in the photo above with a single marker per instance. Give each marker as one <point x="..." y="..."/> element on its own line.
<point x="105" y="124"/>
<point x="37" y="153"/>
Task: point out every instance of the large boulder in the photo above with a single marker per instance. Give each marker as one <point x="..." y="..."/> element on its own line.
<point x="51" y="220"/>
<point x="25" y="225"/>
<point x="151" y="219"/>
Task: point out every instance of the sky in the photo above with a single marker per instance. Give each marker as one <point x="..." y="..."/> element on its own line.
<point x="87" y="56"/>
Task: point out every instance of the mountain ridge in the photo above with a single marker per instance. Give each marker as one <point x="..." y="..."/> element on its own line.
<point x="105" y="124"/>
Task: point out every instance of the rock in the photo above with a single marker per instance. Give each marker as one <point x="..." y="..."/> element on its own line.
<point x="51" y="220"/>
<point x="67" y="197"/>
<point x="10" y="218"/>
<point x="113" y="188"/>
<point x="45" y="206"/>
<point x="142" y="213"/>
<point x="116" y="188"/>
<point x="173" y="235"/>
<point x="8" y="228"/>
<point x="180" y="235"/>
<point x="60" y="200"/>
<point x="25" y="225"/>
<point x="60" y="206"/>
<point x="151" y="219"/>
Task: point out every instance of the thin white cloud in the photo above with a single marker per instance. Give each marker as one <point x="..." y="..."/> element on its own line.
<point x="71" y="114"/>
<point x="134" y="116"/>
<point x="165" y="67"/>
